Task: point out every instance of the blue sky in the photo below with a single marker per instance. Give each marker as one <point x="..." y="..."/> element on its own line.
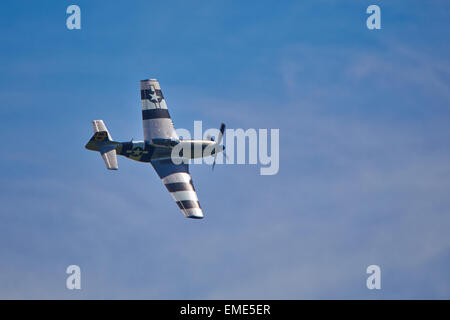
<point x="364" y="154"/>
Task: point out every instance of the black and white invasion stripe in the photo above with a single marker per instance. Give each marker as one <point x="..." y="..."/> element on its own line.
<point x="182" y="191"/>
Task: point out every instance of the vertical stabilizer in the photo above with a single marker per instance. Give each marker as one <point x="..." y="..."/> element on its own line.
<point x="103" y="143"/>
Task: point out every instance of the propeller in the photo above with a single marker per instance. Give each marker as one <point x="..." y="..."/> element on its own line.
<point x="219" y="140"/>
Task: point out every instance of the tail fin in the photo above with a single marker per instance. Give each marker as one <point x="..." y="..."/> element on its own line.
<point x="102" y="142"/>
<point x="99" y="126"/>
<point x="101" y="136"/>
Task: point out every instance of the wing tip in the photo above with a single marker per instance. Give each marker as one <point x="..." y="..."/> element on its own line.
<point x="194" y="213"/>
<point x="195" y="217"/>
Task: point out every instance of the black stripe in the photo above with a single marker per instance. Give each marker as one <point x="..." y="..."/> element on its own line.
<point x="180" y="186"/>
<point x="155" y="114"/>
<point x="188" y="204"/>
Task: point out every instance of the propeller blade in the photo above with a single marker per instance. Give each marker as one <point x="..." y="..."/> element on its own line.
<point x="222" y="130"/>
<point x="219" y="140"/>
<point x="225" y="154"/>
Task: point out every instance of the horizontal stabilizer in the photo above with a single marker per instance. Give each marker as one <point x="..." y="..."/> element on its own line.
<point x="110" y="158"/>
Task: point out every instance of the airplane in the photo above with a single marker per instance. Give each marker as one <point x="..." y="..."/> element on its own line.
<point x="160" y="138"/>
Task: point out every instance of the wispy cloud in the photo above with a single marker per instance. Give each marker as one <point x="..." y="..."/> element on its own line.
<point x="363" y="178"/>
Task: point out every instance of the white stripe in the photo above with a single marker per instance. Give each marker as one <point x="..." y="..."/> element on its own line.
<point x="148" y="84"/>
<point x="196" y="212"/>
<point x="158" y="128"/>
<point x="147" y="104"/>
<point x="184" y="195"/>
<point x="177" y="177"/>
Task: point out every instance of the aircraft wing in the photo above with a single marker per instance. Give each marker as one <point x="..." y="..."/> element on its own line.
<point x="178" y="182"/>
<point x="155" y="115"/>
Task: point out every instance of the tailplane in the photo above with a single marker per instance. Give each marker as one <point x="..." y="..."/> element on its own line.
<point x="102" y="142"/>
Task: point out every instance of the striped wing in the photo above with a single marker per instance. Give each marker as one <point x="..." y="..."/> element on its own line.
<point x="178" y="182"/>
<point x="156" y="120"/>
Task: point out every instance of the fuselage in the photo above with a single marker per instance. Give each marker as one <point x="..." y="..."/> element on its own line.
<point x="144" y="151"/>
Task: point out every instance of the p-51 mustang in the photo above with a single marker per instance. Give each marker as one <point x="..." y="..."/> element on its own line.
<point x="159" y="140"/>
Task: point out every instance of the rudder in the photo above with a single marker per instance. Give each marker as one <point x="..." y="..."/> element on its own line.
<point x="102" y="142"/>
